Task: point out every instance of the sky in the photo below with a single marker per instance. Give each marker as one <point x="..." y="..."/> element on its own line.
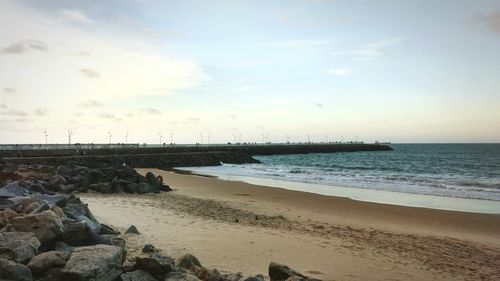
<point x="223" y="71"/>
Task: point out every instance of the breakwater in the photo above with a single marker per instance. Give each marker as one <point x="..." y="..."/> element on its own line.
<point x="173" y="156"/>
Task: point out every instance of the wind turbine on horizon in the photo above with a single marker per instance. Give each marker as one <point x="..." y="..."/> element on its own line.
<point x="46" y="135"/>
<point x="110" y="135"/>
<point x="70" y="133"/>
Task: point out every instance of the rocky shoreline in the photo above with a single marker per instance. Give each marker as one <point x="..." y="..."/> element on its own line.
<point x="47" y="233"/>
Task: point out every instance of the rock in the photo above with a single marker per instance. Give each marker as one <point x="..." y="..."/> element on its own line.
<point x="7" y="215"/>
<point x="258" y="277"/>
<point x="102" y="187"/>
<point x="165" y="188"/>
<point x="80" y="180"/>
<point x="154" y="263"/>
<point x="68" y="188"/>
<point x="44" y="261"/>
<point x="132" y="230"/>
<point x="46" y="226"/>
<point x="58" y="180"/>
<point x="151" y="179"/>
<point x="75" y="209"/>
<point x="138" y="275"/>
<point x="143" y="188"/>
<point x="148" y="248"/>
<point x="120" y="185"/>
<point x="51" y="274"/>
<point x="180" y="276"/>
<point x="12" y="271"/>
<point x="280" y="272"/>
<point x="106" y="229"/>
<point x="63" y="171"/>
<point x="96" y="263"/>
<point x="76" y="233"/>
<point x="61" y="246"/>
<point x="13" y="189"/>
<point x="38" y="208"/>
<point x="58" y="211"/>
<point x="187" y="261"/>
<point x="36" y="187"/>
<point x="18" y="246"/>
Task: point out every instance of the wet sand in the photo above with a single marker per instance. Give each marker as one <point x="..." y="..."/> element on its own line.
<point x="235" y="226"/>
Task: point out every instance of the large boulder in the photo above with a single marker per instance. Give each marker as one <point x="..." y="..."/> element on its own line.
<point x="52" y="259"/>
<point x="281" y="272"/>
<point x="79" y="211"/>
<point x="76" y="233"/>
<point x="12" y="271"/>
<point x="18" y="246"/>
<point x="13" y="189"/>
<point x="151" y="180"/>
<point x="137" y="275"/>
<point x="46" y="226"/>
<point x="96" y="263"/>
<point x="154" y="263"/>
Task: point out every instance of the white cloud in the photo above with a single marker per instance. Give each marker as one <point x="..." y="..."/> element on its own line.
<point x="338" y="71"/>
<point x="372" y="50"/>
<point x="76" y="16"/>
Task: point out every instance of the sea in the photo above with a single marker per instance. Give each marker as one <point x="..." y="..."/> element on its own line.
<point x="464" y="177"/>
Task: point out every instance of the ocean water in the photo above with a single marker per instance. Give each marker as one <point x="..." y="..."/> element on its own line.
<point x="447" y="170"/>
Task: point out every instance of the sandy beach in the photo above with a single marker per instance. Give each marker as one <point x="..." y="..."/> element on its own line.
<point x="236" y="226"/>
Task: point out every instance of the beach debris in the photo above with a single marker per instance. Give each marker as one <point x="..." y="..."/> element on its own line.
<point x="132" y="230"/>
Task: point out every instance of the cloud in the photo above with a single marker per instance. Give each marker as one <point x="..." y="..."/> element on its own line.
<point x="24" y="47"/>
<point x="40" y="111"/>
<point x="491" y="21"/>
<point x="13" y="112"/>
<point x="106" y="115"/>
<point x="320" y="105"/>
<point x="151" y="110"/>
<point x="338" y="72"/>
<point x="89" y="73"/>
<point x="91" y="103"/>
<point x="9" y="90"/>
<point x="372" y="50"/>
<point x="75" y="16"/>
<point x="3" y="106"/>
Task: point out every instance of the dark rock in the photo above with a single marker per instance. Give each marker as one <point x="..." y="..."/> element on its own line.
<point x="76" y="233"/>
<point x="143" y="188"/>
<point x="137" y="275"/>
<point x="258" y="277"/>
<point x="18" y="246"/>
<point x="180" y="276"/>
<point x="36" y="187"/>
<point x="44" y="261"/>
<point x="51" y="274"/>
<point x="40" y="208"/>
<point x="148" y="248"/>
<point x="106" y="229"/>
<point x="61" y="246"/>
<point x="75" y="209"/>
<point x="187" y="261"/>
<point x="132" y="230"/>
<point x="53" y="200"/>
<point x="68" y="188"/>
<point x="79" y="180"/>
<point x="12" y="271"/>
<point x="153" y="181"/>
<point x="102" y="187"/>
<point x="58" y="180"/>
<point x="46" y="226"/>
<point x="154" y="263"/>
<point x="99" y="262"/>
<point x="165" y="188"/>
<point x="13" y="189"/>
<point x="63" y="171"/>
<point x="280" y="272"/>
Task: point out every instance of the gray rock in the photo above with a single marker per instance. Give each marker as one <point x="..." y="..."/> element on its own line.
<point x="18" y="246"/>
<point x="102" y="187"/>
<point x="36" y="187"/>
<point x="106" y="229"/>
<point x="75" y="209"/>
<point x="68" y="188"/>
<point x="132" y="230"/>
<point x="13" y="189"/>
<point x="154" y="263"/>
<point x="76" y="233"/>
<point x="151" y="179"/>
<point x="12" y="271"/>
<point x="96" y="263"/>
<point x="63" y="171"/>
<point x="6" y="216"/>
<point x="44" y="261"/>
<point x="58" y="180"/>
<point x="148" y="248"/>
<point x="187" y="261"/>
<point x="46" y="226"/>
<point x="51" y="274"/>
<point x="138" y="275"/>
<point x="280" y="272"/>
<point x="180" y="276"/>
<point x="61" y="246"/>
<point x="258" y="277"/>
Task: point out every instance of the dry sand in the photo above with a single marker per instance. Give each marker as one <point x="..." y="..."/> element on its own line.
<point x="235" y="226"/>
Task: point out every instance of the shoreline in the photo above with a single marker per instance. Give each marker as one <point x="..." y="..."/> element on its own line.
<point x="473" y="205"/>
<point x="235" y="225"/>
